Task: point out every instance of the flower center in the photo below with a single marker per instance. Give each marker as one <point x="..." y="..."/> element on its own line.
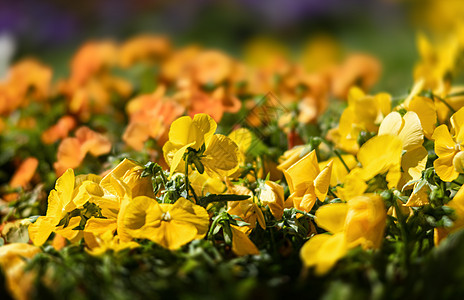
<point x="457" y="147"/>
<point x="166" y="216"/>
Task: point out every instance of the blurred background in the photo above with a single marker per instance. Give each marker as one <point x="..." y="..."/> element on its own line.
<point x="52" y="30"/>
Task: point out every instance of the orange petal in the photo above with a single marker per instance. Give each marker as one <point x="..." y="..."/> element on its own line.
<point x="24" y="173"/>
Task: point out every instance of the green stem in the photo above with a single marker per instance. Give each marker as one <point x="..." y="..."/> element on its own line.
<point x="194" y="194"/>
<point x="337" y="153"/>
<point x="404" y="232"/>
<point x="187" y="183"/>
<point x="446" y="103"/>
<point x="305" y="213"/>
<point x="332" y="193"/>
<point x="163" y="176"/>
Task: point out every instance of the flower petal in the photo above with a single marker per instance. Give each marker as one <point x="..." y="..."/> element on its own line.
<point x="331" y="217"/>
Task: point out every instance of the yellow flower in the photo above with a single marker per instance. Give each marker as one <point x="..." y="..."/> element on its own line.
<point x="409" y="130"/>
<point x="58" y="199"/>
<point x="272" y="195"/>
<point x="12" y="263"/>
<point x="119" y="186"/>
<point x="220" y="157"/>
<point x="307" y="182"/>
<point x="450" y="161"/>
<point x="360" y="222"/>
<point x="438" y="61"/>
<point x="247" y="209"/>
<point x="365" y="221"/>
<point x="364" y="113"/>
<point x="130" y="173"/>
<point x="170" y="225"/>
<point x="381" y="154"/>
<point x="203" y="184"/>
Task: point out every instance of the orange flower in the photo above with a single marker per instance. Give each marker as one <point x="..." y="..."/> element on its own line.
<point x="73" y="150"/>
<point x="90" y="85"/>
<point x="26" y="78"/>
<point x="90" y="59"/>
<point x="146" y="48"/>
<point x="211" y="67"/>
<point x="150" y="116"/>
<point x="22" y="176"/>
<point x="24" y="173"/>
<point x="58" y="131"/>
<point x="203" y="103"/>
<point x="213" y="103"/>
<point x="31" y="75"/>
<point x="358" y="69"/>
<point x="178" y="64"/>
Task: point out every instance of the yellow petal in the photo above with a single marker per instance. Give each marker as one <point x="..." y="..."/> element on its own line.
<point x="304" y="196"/>
<point x="330" y="252"/>
<point x="177" y="158"/>
<point x="221" y="156"/>
<point x="416" y="89"/>
<point x="419" y="198"/>
<point x="84" y="193"/>
<point x="445" y="168"/>
<point x="354" y="186"/>
<point x="306" y="169"/>
<point x="242" y="137"/>
<point x="425" y="109"/>
<point x="380" y="154"/>
<point x="413" y="163"/>
<point x="205" y="125"/>
<point x="411" y="134"/>
<point x="444" y="144"/>
<point x="323" y="251"/>
<point x="331" y="217"/>
<point x="241" y="244"/>
<point x="457" y="119"/>
<point x="69" y="233"/>
<point x="61" y="196"/>
<point x="184" y="210"/>
<point x="393" y="176"/>
<point x="140" y="217"/>
<point x="180" y="131"/>
<point x="185" y="131"/>
<point x="40" y="230"/>
<point x="365" y="221"/>
<point x="99" y="226"/>
<point x="322" y="182"/>
<point x="310" y="250"/>
<point x="391" y="124"/>
<point x="339" y="171"/>
<point x="458" y="162"/>
<point x="177" y="234"/>
<point x="384" y="103"/>
<point x="272" y="195"/>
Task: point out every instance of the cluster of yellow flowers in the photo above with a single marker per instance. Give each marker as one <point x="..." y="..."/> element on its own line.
<point x="369" y="169"/>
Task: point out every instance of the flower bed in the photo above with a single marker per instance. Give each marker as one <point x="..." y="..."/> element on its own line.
<point x="153" y="171"/>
